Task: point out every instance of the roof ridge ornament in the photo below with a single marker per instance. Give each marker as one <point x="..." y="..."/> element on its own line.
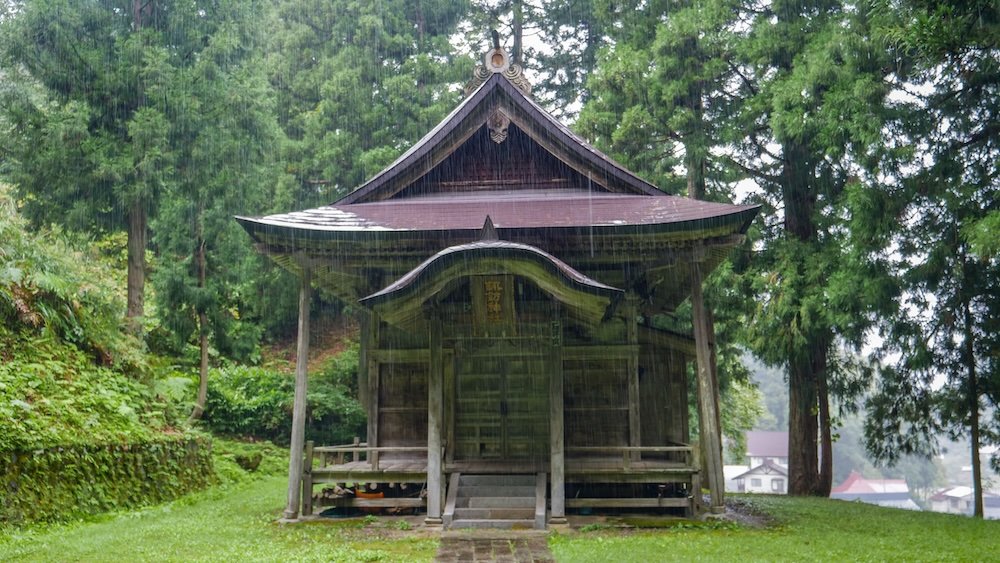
<point x="489" y="232"/>
<point x="497" y="61"/>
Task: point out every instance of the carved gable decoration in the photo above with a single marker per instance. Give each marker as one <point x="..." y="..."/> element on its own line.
<point x="497" y="61"/>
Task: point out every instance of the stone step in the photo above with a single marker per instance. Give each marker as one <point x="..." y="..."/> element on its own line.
<point x="496" y="491"/>
<point x="500" y="502"/>
<point x="523" y="524"/>
<point x="494" y="513"/>
<point x="497" y="480"/>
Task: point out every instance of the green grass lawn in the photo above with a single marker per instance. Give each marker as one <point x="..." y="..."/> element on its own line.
<point x="802" y="529"/>
<point x="237" y="523"/>
<point x="234" y="524"/>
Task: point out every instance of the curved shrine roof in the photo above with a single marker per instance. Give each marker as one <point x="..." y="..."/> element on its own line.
<point x="402" y="301"/>
<point x="522" y="209"/>
<point x="490" y="248"/>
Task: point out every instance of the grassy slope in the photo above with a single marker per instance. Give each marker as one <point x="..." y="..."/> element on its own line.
<point x="237" y="523"/>
<point x="234" y="524"/>
<point x="805" y="530"/>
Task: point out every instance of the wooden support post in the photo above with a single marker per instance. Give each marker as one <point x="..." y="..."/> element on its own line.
<point x="708" y="417"/>
<point x="299" y="406"/>
<point x="557" y="436"/>
<point x="632" y="335"/>
<point x="449" y="402"/>
<point x="435" y="412"/>
<point x="374" y="380"/>
<point x="307" y="481"/>
<point x="366" y="347"/>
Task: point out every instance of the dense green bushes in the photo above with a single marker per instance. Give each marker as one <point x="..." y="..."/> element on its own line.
<point x="85" y="426"/>
<point x="64" y="482"/>
<point x="51" y="394"/>
<point x="257" y="402"/>
<point x="50" y="288"/>
<point x="69" y="374"/>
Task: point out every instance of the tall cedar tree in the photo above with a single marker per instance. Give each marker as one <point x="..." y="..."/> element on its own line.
<point x="222" y="130"/>
<point x="807" y="132"/>
<point x="943" y="338"/>
<point x="89" y="153"/>
<point x="788" y="95"/>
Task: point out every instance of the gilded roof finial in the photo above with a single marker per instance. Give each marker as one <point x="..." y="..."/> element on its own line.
<point x="497" y="61"/>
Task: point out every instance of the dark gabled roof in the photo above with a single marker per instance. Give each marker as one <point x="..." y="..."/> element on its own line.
<point x="599" y="192"/>
<point x="497" y="92"/>
<point x="542" y="185"/>
<point x="766" y="468"/>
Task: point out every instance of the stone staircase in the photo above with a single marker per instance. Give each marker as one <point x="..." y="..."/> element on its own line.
<point x="496" y="501"/>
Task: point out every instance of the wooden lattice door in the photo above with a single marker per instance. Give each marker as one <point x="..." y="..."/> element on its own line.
<point x="501" y="406"/>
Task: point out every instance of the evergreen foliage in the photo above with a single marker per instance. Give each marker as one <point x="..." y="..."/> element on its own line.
<point x="357" y="83"/>
<point x="50" y="290"/>
<point x="941" y="338"/>
<point x="61" y="340"/>
<point x="256" y="402"/>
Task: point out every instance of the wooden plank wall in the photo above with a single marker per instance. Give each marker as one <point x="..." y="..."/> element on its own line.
<point x="663" y="392"/>
<point x="595" y="403"/>
<point x="402" y="416"/>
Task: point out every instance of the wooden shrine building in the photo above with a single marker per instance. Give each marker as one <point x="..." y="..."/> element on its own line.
<point x="506" y="271"/>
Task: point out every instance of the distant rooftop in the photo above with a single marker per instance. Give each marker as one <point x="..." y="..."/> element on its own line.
<point x="858" y="484"/>
<point x="766" y="468"/>
<point x="762" y="443"/>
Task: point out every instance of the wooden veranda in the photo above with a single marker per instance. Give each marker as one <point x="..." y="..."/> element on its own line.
<point x="360" y="464"/>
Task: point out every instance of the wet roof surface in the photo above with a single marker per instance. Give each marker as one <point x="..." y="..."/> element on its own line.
<point x="508" y="210"/>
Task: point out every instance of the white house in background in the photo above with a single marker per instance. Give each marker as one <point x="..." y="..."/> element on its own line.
<point x="768" y="477"/>
<point x="953" y="500"/>
<point x="765" y="446"/>
<point x="883" y="492"/>
<point x="961" y="500"/>
<point x="731" y="472"/>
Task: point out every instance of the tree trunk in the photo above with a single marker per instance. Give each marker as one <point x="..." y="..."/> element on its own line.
<point x="808" y="403"/>
<point x="977" y="470"/>
<point x="970" y="364"/>
<point x="137" y="227"/>
<point x="138" y="220"/>
<point x="803" y="470"/>
<point x="202" y="265"/>
<point x="825" y="483"/>
<point x="517" y="28"/>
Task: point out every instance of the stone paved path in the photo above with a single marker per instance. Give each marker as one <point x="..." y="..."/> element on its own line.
<point x="507" y="547"/>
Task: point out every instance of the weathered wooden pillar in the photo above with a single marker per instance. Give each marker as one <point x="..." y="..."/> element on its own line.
<point x="370" y="367"/>
<point x="557" y="436"/>
<point x="363" y="356"/>
<point x="435" y="419"/>
<point x="299" y="406"/>
<point x="632" y="338"/>
<point x="708" y="417"/>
